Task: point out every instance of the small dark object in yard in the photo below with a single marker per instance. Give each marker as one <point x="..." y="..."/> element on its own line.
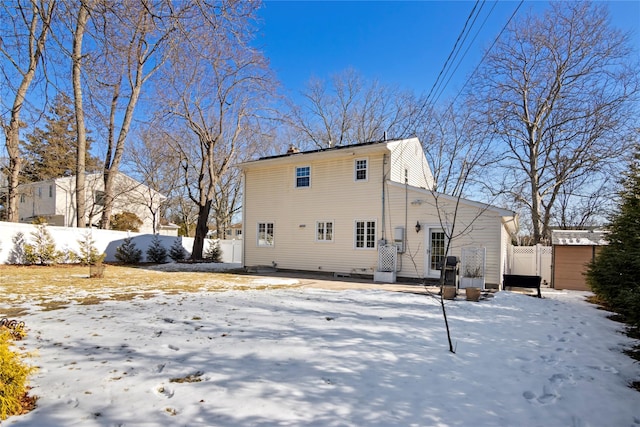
<point x="330" y="318"/>
<point x="521" y="281"/>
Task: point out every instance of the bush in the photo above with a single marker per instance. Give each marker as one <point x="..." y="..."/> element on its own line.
<point x="128" y="253"/>
<point x="156" y="252"/>
<point x="17" y="255"/>
<point x="125" y="221"/>
<point x="43" y="250"/>
<point x="89" y="254"/>
<point x="213" y="252"/>
<point x="177" y="252"/>
<point x="13" y="378"/>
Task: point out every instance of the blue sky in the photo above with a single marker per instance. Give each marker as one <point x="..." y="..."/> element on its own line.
<point x="399" y="43"/>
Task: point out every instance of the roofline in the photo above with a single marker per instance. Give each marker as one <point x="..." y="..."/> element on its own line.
<point x="91" y="174"/>
<point x="501" y="211"/>
<point x="360" y="147"/>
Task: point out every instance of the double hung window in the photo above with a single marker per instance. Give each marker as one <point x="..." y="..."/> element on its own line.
<point x="303" y="176"/>
<point x="360" y="172"/>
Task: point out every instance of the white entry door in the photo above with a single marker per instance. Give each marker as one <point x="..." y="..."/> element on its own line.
<point x="436" y="245"/>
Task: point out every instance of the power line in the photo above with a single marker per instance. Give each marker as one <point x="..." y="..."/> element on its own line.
<point x="487" y="52"/>
<point x="453" y="50"/>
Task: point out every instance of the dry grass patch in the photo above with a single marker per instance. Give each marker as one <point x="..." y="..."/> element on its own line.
<point x="60" y="285"/>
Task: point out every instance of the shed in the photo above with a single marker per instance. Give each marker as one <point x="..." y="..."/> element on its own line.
<point x="573" y="250"/>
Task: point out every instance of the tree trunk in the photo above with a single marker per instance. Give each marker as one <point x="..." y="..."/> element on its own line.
<point x="201" y="231"/>
<point x="12" y="131"/>
<point x="83" y="16"/>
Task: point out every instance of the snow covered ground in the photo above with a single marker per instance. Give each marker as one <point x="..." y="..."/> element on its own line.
<point x="313" y="357"/>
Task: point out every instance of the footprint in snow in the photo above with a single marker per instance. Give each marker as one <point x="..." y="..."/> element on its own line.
<point x="164" y="391"/>
<point x="173" y="347"/>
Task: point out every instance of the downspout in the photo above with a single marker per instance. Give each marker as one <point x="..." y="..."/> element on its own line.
<point x="384" y="162"/>
<point x="244" y="217"/>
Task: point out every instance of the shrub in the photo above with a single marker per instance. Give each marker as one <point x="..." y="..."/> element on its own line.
<point x="128" y="253"/>
<point x="177" y="252"/>
<point x="213" y="252"/>
<point x="43" y="250"/>
<point x="89" y="254"/>
<point x="156" y="252"/>
<point x="13" y="378"/>
<point x="125" y="221"/>
<point x="17" y="255"/>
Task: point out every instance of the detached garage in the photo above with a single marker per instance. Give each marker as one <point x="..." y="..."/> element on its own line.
<point x="572" y="251"/>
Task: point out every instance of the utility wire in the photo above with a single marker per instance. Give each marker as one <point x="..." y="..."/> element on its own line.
<point x="451" y="53"/>
<point x="487" y="53"/>
<point x="442" y="85"/>
<point x="466" y="51"/>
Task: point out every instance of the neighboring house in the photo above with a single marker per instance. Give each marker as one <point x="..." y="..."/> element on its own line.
<point x="333" y="210"/>
<point x="573" y="250"/>
<point x="55" y="200"/>
<point x="232" y="232"/>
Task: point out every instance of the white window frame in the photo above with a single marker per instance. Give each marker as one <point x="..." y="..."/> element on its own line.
<point x="296" y="177"/>
<point x="367" y="234"/>
<point x="324" y="231"/>
<point x="264" y="243"/>
<point x="356" y="169"/>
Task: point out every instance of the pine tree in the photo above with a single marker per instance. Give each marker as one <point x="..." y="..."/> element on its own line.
<point x="615" y="273"/>
<point x="177" y="251"/>
<point x="128" y="253"/>
<point x="51" y="152"/>
<point x="156" y="252"/>
<point x="89" y="254"/>
<point x="17" y="255"/>
<point x="43" y="250"/>
<point x="213" y="252"/>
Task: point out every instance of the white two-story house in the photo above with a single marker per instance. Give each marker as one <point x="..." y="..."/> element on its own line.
<point x="340" y="209"/>
<point x="55" y="201"/>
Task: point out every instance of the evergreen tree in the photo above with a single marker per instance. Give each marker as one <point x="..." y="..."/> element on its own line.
<point x="615" y="273"/>
<point x="17" y="255"/>
<point x="128" y="253"/>
<point x="51" y="152"/>
<point x="43" y="250"/>
<point x="156" y="252"/>
<point x="213" y="252"/>
<point x="177" y="251"/>
<point x="89" y="254"/>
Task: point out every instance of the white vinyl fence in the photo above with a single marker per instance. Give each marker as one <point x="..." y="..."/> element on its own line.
<point x="67" y="238"/>
<point x="532" y="261"/>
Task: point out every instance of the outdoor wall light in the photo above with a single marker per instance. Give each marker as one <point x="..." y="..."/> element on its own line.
<point x="418" y="227"/>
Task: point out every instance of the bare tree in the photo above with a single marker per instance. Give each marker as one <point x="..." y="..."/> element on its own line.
<point x="349" y="110"/>
<point x="25" y="28"/>
<point x="133" y="36"/>
<point x="76" y="56"/>
<point x="215" y="88"/>
<point x="459" y="155"/>
<point x="558" y="91"/>
<point x="158" y="166"/>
